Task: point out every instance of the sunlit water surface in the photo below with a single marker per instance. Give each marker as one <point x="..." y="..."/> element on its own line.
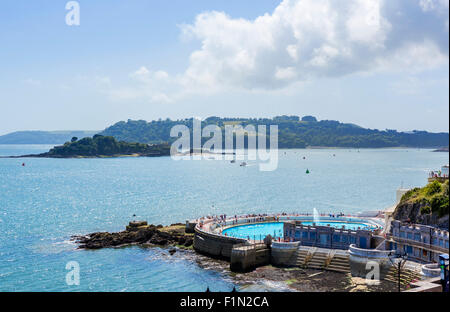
<point x="45" y="202"/>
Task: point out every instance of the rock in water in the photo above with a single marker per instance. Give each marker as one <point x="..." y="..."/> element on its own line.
<point x="137" y="232"/>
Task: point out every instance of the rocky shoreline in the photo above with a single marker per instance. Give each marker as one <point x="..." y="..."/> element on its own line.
<point x="139" y="233"/>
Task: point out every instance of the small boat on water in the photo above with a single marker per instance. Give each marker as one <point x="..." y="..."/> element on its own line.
<point x="233" y="161"/>
<point x="243" y="164"/>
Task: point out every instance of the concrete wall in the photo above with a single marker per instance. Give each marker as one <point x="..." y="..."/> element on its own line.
<point x="362" y="261"/>
<point x="245" y="258"/>
<point x="282" y="254"/>
<point x="215" y="245"/>
<point x="431" y="270"/>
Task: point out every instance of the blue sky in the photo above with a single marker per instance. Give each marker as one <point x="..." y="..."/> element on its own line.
<point x="379" y="64"/>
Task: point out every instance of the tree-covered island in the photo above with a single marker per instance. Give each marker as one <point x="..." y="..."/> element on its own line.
<point x="103" y="146"/>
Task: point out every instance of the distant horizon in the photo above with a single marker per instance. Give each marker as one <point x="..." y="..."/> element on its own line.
<point x="175" y="119"/>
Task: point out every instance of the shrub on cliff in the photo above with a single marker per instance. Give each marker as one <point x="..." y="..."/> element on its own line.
<point x="439" y="205"/>
<point x="433" y="188"/>
<point x="425" y="205"/>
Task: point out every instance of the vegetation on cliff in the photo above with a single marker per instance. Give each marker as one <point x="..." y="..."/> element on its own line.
<point x="428" y="205"/>
<point x="293" y="132"/>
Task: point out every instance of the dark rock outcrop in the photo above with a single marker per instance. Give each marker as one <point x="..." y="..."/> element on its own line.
<point x="137" y="233"/>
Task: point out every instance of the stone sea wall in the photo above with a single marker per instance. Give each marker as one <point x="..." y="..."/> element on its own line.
<point x="282" y="254"/>
<point x="245" y="258"/>
<point x="215" y="245"/>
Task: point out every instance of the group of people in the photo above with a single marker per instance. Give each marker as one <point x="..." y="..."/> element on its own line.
<point x="332" y="215"/>
<point x="438" y="174"/>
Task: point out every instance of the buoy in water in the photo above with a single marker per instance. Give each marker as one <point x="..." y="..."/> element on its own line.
<point x="307" y="171"/>
<point x="23" y="164"/>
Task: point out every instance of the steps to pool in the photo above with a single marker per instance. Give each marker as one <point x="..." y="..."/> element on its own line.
<point x="319" y="258"/>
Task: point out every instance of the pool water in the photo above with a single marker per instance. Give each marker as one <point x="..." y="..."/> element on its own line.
<point x="259" y="231"/>
<point x="255" y="231"/>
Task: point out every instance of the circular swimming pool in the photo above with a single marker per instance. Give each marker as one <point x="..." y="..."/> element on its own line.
<point x="260" y="230"/>
<point x="255" y="231"/>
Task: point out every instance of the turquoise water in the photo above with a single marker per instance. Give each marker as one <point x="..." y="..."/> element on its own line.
<point x="256" y="231"/>
<point x="46" y="202"/>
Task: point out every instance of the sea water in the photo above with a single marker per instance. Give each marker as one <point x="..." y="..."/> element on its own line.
<point x="46" y="201"/>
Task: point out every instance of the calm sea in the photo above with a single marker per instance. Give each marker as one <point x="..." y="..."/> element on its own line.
<point x="45" y="202"/>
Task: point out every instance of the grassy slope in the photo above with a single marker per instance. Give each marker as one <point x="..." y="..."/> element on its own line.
<point x="434" y="198"/>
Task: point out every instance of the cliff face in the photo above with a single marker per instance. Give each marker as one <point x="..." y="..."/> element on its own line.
<point x="428" y="206"/>
<point x="411" y="212"/>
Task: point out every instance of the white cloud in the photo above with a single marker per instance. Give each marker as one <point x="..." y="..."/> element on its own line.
<point x="141" y="72"/>
<point x="366" y="24"/>
<point x="303" y="40"/>
<point x="413" y="57"/>
<point x="287" y="73"/>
